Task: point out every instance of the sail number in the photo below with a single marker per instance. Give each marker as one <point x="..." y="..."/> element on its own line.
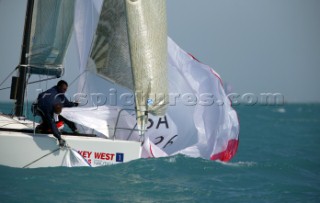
<point x="161" y="126"/>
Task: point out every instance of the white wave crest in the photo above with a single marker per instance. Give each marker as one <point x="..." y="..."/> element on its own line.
<point x="239" y="163"/>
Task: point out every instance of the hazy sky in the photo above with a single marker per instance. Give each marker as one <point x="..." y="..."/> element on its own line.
<point x="257" y="46"/>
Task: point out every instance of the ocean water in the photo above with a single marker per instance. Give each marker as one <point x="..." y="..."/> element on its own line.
<point x="277" y="161"/>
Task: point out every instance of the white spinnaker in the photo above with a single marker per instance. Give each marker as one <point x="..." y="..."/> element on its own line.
<point x="73" y="159"/>
<point x="202" y="111"/>
<point x="102" y="120"/>
<point x="200" y="121"/>
<point x="207" y="128"/>
<point x="86" y="20"/>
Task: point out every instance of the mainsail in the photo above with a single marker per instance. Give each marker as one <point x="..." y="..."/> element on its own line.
<point x="51" y="28"/>
<point x="48" y="27"/>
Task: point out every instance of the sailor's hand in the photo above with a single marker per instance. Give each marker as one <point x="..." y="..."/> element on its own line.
<point x="62" y="142"/>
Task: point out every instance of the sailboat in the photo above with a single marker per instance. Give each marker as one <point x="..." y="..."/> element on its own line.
<point x="168" y="102"/>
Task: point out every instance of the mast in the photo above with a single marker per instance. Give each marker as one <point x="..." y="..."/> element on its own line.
<point x="21" y="86"/>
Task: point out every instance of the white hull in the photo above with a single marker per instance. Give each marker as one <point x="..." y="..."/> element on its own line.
<point x="28" y="150"/>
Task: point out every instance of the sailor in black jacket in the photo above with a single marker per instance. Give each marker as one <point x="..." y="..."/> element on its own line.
<point x="50" y="102"/>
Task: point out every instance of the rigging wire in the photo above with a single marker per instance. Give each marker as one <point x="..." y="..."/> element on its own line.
<point x="37" y="81"/>
<point x="8" y="78"/>
<point x="84" y="72"/>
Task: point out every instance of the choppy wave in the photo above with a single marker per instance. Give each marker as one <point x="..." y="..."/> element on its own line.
<point x="277" y="161"/>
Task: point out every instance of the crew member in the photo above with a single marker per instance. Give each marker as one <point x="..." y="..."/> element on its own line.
<point x="50" y="102"/>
